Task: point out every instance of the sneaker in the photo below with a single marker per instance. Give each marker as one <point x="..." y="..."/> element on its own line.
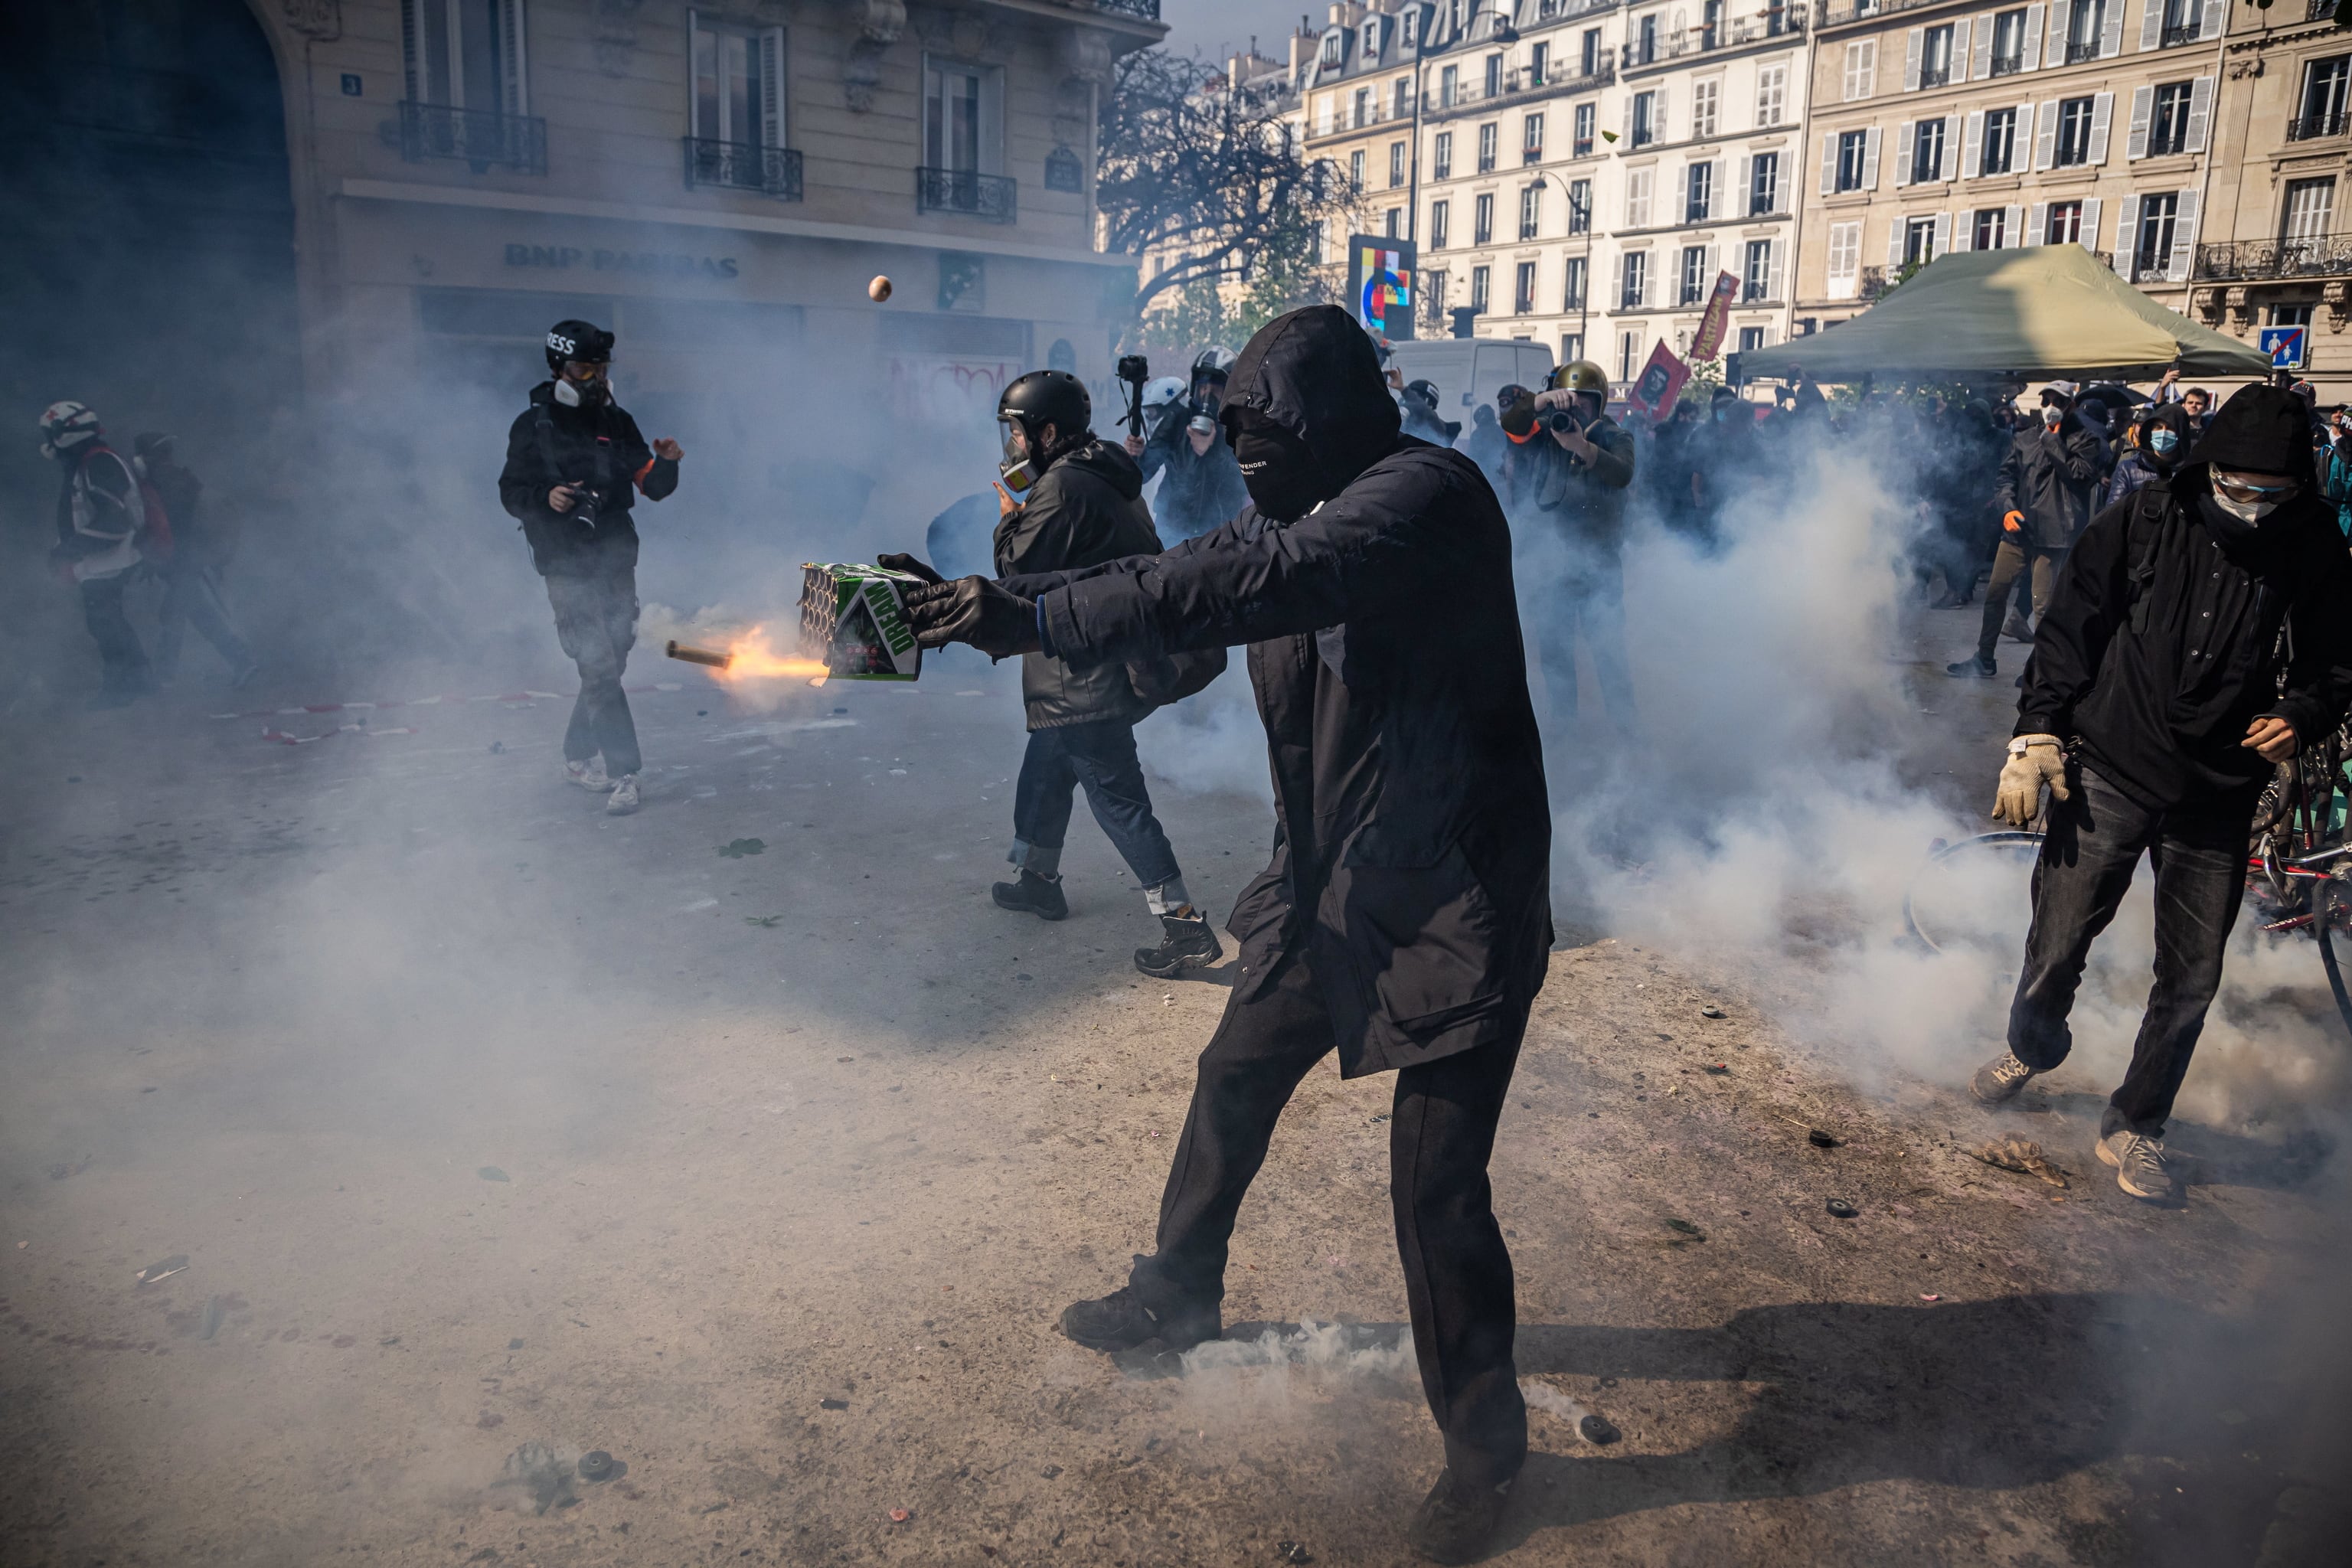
<point x="1120" y="1322"/>
<point x="1032" y="895"/>
<point x="1455" y="1523"/>
<point x="1189" y="944"/>
<point x="588" y="774"/>
<point x="1998" y="1082"/>
<point x="1972" y="669"/>
<point x="624" y="798"/>
<point x="2142" y="1167"/>
<point x="2015" y="629"/>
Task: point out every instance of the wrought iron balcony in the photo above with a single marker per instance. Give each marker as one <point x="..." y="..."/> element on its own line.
<point x="991" y="197"/>
<point x="481" y="137"/>
<point x="2311" y="127"/>
<point x="2082" y="53"/>
<point x="741" y="166"/>
<point x="2186" y="32"/>
<point x="1935" y="76"/>
<point x="2006" y="65"/>
<point x="2256" y="259"/>
<point x="1142" y="10"/>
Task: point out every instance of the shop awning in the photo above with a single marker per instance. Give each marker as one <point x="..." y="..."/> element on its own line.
<point x="2047" y="311"/>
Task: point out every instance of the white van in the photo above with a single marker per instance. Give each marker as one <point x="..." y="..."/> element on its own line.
<point x="1470" y="370"/>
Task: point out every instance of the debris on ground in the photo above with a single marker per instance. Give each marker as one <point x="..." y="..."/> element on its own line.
<point x="596" y="1465"/>
<point x="2020" y="1155"/>
<point x="900" y="1515"/>
<point x="1841" y="1209"/>
<point x="1929" y="1295"/>
<point x="1718" y="1068"/>
<point x="1684" y="1227"/>
<point x="736" y="848"/>
<point x="1820" y="1140"/>
<point x="1292" y="1552"/>
<point x="175" y="1264"/>
<point x="765" y="922"/>
<point x="492" y="1174"/>
<point x="535" y="1469"/>
<point x="1711" y="1011"/>
<point x="213" y="1314"/>
<point x="1598" y="1429"/>
<point x="514" y="1344"/>
<point x="833" y="1405"/>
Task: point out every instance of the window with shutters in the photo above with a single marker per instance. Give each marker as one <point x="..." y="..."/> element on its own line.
<point x="1572" y="294"/>
<point x="1926" y="152"/>
<point x="1646" y="41"/>
<point x="1449" y="86"/>
<point x="1771" y="96"/>
<point x="1587" y="59"/>
<point x="1396" y="164"/>
<point x="1999" y="155"/>
<point x="1392" y="223"/>
<point x="1697" y="280"/>
<point x="1635" y="279"/>
<point x="1356" y="168"/>
<point x="1936" y="57"/>
<point x="1523" y="289"/>
<point x="1699" y="193"/>
<point x="1482" y="220"/>
<point x="1442" y="157"/>
<point x="1637" y="197"/>
<point x="2073" y="145"/>
<point x="467" y="86"/>
<point x="1539" y="64"/>
<point x="1400" y="97"/>
<point x="2180" y="22"/>
<point x="1581" y="145"/>
<point x="1853" y="151"/>
<point x="1645" y="118"/>
<point x="1844" y="260"/>
<point x="1704" y="96"/>
<point x="2167" y="123"/>
<point x="2007" y="56"/>
<point x="1571" y="347"/>
<point x="2310" y="210"/>
<point x="1532" y="139"/>
<point x="1755" y="277"/>
<point x="1530" y="212"/>
<point x="2320" y="112"/>
<point x="1919" y="241"/>
<point x="1861" y="68"/>
<point x="1489" y="137"/>
<point x="1479" y="279"/>
<point x="1990" y="230"/>
<point x="1750" y="339"/>
<point x="1628" y="345"/>
<point x="1494" y="76"/>
<point x="2085" y="21"/>
<point x="1440" y="216"/>
<point x="2064" y="224"/>
<point x="1764" y="184"/>
<point x="735" y="117"/>
<point x="2152" y="253"/>
<point x="1580" y="207"/>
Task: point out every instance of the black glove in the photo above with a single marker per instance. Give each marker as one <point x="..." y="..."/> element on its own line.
<point x="976" y="611"/>
<point x="910" y="566"/>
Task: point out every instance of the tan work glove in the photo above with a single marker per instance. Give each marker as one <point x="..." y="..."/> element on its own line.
<point x="2037" y="759"/>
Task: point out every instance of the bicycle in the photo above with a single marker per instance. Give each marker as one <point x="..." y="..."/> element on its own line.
<point x="2298" y="872"/>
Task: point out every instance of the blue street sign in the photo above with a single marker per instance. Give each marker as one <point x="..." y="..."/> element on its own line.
<point x="2285" y="345"/>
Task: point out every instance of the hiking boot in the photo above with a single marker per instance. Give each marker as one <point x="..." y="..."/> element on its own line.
<point x="1972" y="669"/>
<point x="1455" y="1523"/>
<point x="588" y="774"/>
<point x="1189" y="944"/>
<point x="1032" y="895"/>
<point x="1120" y="1322"/>
<point x="1998" y="1081"/>
<point x="624" y="798"/>
<point x="2015" y="629"/>
<point x="2142" y="1167"/>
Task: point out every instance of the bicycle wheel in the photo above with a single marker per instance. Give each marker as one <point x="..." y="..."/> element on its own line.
<point x="2331" y="906"/>
<point x="1975" y="893"/>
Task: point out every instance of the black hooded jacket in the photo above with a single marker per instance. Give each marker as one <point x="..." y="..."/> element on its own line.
<point x="1412" y="837"/>
<point x="1086" y="508"/>
<point x="599" y="447"/>
<point x="2051" y="477"/>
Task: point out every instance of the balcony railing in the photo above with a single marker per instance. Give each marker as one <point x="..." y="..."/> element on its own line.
<point x="2311" y="127"/>
<point x="2080" y="54"/>
<point x="741" y="166"/>
<point x="481" y="137"/>
<point x="2006" y="65"/>
<point x="2186" y="32"/>
<point x="1935" y="76"/>
<point x="991" y="197"/>
<point x="2256" y="259"/>
<point x="1707" y="39"/>
<point x="1143" y="10"/>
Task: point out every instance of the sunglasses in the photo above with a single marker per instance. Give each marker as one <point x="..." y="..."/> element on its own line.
<point x="2238" y="490"/>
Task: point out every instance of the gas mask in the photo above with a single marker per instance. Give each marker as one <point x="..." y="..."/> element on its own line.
<point x="2249" y="503"/>
<point x="584" y="394"/>
<point x="2053" y="416"/>
<point x="1283" y="478"/>
<point x="2163" y="442"/>
<point x="1017" y="469"/>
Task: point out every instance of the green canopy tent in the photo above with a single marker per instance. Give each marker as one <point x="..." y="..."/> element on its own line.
<point x="2047" y="311"/>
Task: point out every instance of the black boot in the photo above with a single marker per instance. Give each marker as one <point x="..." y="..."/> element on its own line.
<point x="1972" y="669"/>
<point x="2015" y="629"/>
<point x="1189" y="944"/>
<point x="1456" y="1522"/>
<point x="1120" y="1322"/>
<point x="1032" y="895"/>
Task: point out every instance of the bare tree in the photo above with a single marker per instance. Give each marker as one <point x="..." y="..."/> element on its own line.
<point x="1207" y="169"/>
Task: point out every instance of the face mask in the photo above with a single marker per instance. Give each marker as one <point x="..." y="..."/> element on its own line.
<point x="581" y="394"/>
<point x="1281" y="474"/>
<point x="1017" y="469"/>
<point x="2249" y="512"/>
<point x="2054" y="417"/>
<point x="2163" y="443"/>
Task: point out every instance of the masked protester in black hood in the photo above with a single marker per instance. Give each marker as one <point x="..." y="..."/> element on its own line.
<point x="2155" y="705"/>
<point x="576" y="465"/>
<point x="1403" y="920"/>
<point x="1418" y="404"/>
<point x="2047" y="488"/>
<point x="2150" y="449"/>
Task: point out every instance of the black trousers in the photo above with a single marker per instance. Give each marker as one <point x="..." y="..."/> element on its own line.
<point x="2087" y="861"/>
<point x="1457" y="1272"/>
<point x="117" y="644"/>
<point x="596" y="621"/>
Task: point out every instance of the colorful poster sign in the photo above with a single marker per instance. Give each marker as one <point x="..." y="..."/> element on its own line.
<point x="1661" y="381"/>
<point x="1380" y="285"/>
<point x="1712" y="325"/>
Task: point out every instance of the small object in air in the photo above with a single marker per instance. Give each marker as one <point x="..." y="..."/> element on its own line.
<point x="596" y="1465"/>
<point x="1710" y="1011"/>
<point x="686" y="654"/>
<point x="1598" y="1429"/>
<point x="1608" y="136"/>
<point x="1841" y="1209"/>
<point x="1818" y="1139"/>
<point x="492" y="1174"/>
<point x="879" y="290"/>
<point x="833" y="1405"/>
<point x="175" y="1264"/>
<point x="1292" y="1552"/>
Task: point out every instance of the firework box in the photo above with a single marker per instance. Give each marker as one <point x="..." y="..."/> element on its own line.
<point x="852" y="618"/>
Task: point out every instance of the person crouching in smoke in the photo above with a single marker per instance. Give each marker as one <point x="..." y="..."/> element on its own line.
<point x="1405" y="919"/>
<point x="2153" y="709"/>
<point x="575" y="464"/>
<point x="103" y="533"/>
<point x="1080" y="504"/>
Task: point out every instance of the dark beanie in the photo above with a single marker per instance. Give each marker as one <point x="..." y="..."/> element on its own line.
<point x="2260" y="430"/>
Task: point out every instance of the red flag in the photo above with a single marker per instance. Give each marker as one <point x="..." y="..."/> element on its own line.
<point x="1661" y="381"/>
<point x="1711" y="325"/>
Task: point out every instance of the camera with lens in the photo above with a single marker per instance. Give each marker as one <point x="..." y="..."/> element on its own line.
<point x="584" y="501"/>
<point x="1134" y="369"/>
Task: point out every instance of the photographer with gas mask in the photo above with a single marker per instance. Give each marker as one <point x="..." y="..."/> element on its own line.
<point x="1572" y="468"/>
<point x="575" y="466"/>
<point x="1403" y="920"/>
<point x="1200" y="485"/>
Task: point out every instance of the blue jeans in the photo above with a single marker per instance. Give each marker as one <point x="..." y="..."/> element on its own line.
<point x="1101" y="756"/>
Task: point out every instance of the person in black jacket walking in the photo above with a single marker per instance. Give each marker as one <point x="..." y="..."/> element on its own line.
<point x="576" y="465"/>
<point x="2158" y="667"/>
<point x="2047" y="490"/>
<point x="1404" y="918"/>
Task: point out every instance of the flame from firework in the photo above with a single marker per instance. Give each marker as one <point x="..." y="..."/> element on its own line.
<point x="750" y="659"/>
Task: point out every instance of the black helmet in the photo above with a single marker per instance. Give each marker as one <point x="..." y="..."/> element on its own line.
<point x="582" y="341"/>
<point x="1044" y="397"/>
<point x="1423" y="392"/>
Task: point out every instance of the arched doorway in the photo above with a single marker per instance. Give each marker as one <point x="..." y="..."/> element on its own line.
<point x="147" y="266"/>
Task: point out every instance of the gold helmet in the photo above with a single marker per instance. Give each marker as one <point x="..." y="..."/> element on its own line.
<point x="1578" y="375"/>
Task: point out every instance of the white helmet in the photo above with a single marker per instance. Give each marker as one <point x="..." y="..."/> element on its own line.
<point x="66" y="424"/>
<point x="1160" y="391"/>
